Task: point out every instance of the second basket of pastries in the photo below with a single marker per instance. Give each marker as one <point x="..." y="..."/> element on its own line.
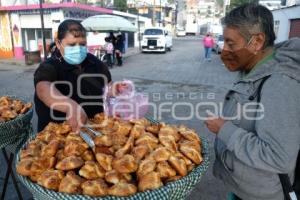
<point x="15" y="117"/>
<point x="135" y="159"/>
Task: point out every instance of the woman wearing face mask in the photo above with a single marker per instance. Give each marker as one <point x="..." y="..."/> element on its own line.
<point x="256" y="143"/>
<point x="69" y="84"/>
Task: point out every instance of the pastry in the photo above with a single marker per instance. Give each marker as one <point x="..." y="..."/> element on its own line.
<point x="95" y="188"/>
<point x="115" y="177"/>
<point x="140" y="151"/>
<point x="150" y="181"/>
<point x="69" y="163"/>
<point x="125" y="164"/>
<point x="91" y="170"/>
<point x="51" y="179"/>
<point x="161" y="154"/>
<point x="103" y="140"/>
<point x="146" y="166"/>
<point x="71" y="183"/>
<point x="165" y="170"/>
<point x="178" y="164"/>
<point x="122" y="189"/>
<point x="105" y="161"/>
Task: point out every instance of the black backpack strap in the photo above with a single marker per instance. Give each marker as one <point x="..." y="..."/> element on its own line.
<point x="288" y="189"/>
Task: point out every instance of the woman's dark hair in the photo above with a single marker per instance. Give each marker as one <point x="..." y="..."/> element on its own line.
<point x="70" y="26"/>
<point x="252" y="19"/>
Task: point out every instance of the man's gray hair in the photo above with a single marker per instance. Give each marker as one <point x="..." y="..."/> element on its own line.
<point x="252" y="19"/>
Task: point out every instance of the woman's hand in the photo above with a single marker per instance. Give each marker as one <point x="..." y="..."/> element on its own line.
<point x="214" y="124"/>
<point x="76" y="117"/>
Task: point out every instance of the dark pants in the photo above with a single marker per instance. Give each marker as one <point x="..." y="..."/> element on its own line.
<point x="109" y="59"/>
<point x="119" y="58"/>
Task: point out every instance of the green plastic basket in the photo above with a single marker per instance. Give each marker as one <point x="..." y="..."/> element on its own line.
<point x="14" y="133"/>
<point x="179" y="189"/>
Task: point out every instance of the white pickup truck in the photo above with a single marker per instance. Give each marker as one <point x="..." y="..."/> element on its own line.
<point x="156" y="39"/>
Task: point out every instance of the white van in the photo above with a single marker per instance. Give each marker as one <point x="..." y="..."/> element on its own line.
<point x="156" y="39"/>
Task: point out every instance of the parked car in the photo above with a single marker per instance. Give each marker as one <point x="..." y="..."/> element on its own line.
<point x="157" y="39"/>
<point x="219" y="43"/>
<point x="180" y="32"/>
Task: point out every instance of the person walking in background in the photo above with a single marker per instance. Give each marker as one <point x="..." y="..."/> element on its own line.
<point x="113" y="40"/>
<point x="109" y="50"/>
<point x="208" y="43"/>
<point x="119" y="48"/>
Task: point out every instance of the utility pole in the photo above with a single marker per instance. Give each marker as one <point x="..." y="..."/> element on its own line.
<point x="160" y="18"/>
<point x="153" y="13"/>
<point x="43" y="29"/>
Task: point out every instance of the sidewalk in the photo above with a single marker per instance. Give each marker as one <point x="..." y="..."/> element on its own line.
<point x="20" y="63"/>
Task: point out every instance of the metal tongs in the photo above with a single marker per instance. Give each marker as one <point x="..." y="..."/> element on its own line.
<point x="87" y="138"/>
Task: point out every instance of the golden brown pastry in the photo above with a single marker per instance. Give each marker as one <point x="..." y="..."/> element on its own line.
<point x="150" y="181"/>
<point x="122" y="128"/>
<point x="69" y="163"/>
<point x="88" y="155"/>
<point x="74" y="148"/>
<point x="191" y="152"/>
<point x="118" y="140"/>
<point x="105" y="161"/>
<point x="143" y="122"/>
<point x="125" y="164"/>
<point x="115" y="177"/>
<point x="50" y="149"/>
<point x="161" y="154"/>
<point x="51" y="179"/>
<point x="140" y="151"/>
<point x="122" y="189"/>
<point x="137" y="130"/>
<point x="126" y="148"/>
<point x="60" y="155"/>
<point x="103" y="140"/>
<point x="170" y="130"/>
<point x="165" y="170"/>
<point x="24" y="166"/>
<point x="64" y="128"/>
<point x="178" y="164"/>
<point x="25" y="108"/>
<point x="40" y="165"/>
<point x="17" y="105"/>
<point x="95" y="188"/>
<point x="147" y="139"/>
<point x="169" y="142"/>
<point x="71" y="183"/>
<point x="146" y="166"/>
<point x="91" y="170"/>
<point x="187" y="161"/>
<point x="74" y="137"/>
<point x="188" y="134"/>
<point x="104" y="149"/>
<point x="153" y="128"/>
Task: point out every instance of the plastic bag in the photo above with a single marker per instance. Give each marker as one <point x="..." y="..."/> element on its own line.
<point x="124" y="102"/>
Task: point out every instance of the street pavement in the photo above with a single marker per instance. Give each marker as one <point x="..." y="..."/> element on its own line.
<point x="176" y="82"/>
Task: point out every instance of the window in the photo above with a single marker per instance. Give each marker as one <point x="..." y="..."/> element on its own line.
<point x="153" y="32"/>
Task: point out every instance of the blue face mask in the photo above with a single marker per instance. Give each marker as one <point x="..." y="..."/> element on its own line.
<point x="75" y="55"/>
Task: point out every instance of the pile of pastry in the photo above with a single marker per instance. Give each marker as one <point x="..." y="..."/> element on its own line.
<point x="129" y="157"/>
<point x="12" y="108"/>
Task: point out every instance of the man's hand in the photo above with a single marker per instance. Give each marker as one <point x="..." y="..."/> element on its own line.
<point x="214" y="124"/>
<point x="76" y="117"/>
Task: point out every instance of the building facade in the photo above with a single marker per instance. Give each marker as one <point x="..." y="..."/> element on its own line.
<point x="21" y="26"/>
<point x="287" y="22"/>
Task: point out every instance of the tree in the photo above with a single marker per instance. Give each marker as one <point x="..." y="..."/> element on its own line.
<point x="120" y="5"/>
